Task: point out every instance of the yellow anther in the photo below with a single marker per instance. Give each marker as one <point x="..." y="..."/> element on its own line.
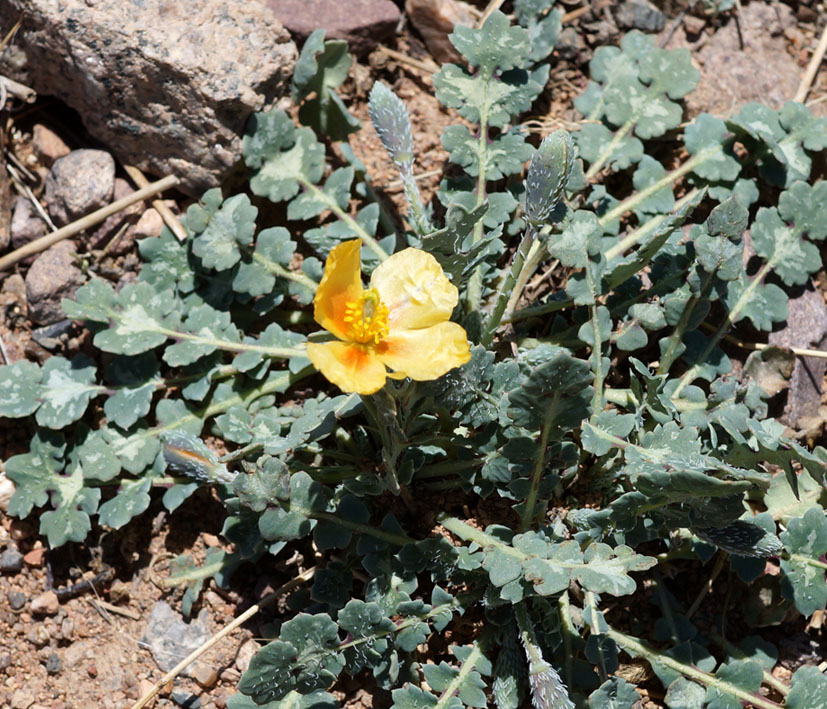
<point x="367" y="317"/>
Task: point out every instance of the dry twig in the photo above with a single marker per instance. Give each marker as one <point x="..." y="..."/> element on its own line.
<point x="44" y="242"/>
<point x="169" y="218"/>
<point x="224" y="632"/>
<point x="812" y="68"/>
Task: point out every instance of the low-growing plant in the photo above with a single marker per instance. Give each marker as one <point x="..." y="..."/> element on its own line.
<point x="533" y="415"/>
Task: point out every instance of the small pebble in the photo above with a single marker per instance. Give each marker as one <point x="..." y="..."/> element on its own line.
<point x="150" y="224"/>
<point x="46" y="604"/>
<point x="54" y="664"/>
<point x="17" y="600"/>
<point x="39" y="635"/>
<point x="5" y="661"/>
<point x="205" y="675"/>
<point x="185" y="699"/>
<point x="47" y="145"/>
<point x="11" y="561"/>
<point x="34" y="558"/>
<point x="26" y="224"/>
<point x="211" y="540"/>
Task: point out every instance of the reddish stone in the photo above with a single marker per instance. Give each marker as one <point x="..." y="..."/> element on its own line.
<point x="362" y="23"/>
<point x="35" y="558"/>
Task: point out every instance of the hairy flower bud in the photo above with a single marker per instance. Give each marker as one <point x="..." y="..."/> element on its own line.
<point x="547" y="175"/>
<point x="390" y="119"/>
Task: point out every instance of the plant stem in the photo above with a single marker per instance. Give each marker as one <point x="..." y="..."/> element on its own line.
<point x="535" y="255"/>
<point x="637" y="648"/>
<point x="691" y="374"/>
<point x="416" y="209"/>
<point x="467" y="667"/>
<point x="536" y="476"/>
<point x="511" y="278"/>
<point x="473" y="295"/>
<point x="628" y="204"/>
<point x="333" y="206"/>
<point x="635" y="237"/>
<point x="278" y="270"/>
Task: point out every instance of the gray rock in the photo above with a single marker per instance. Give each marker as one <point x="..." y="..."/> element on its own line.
<point x="11" y="561"/>
<point x="362" y="23"/>
<point x="806" y="327"/>
<point x="54" y="665"/>
<point x="640" y="15"/>
<point x="52" y="277"/>
<point x="78" y="184"/>
<point x="168" y="86"/>
<point x="17" y="600"/>
<point x="26" y="224"/>
<point x="185" y="699"/>
<point x="169" y="638"/>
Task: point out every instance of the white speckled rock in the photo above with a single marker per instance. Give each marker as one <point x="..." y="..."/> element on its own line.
<point x="167" y="85"/>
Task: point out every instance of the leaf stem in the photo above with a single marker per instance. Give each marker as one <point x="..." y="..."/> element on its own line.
<point x="536" y="476"/>
<point x="333" y="206"/>
<point x="473" y="295"/>
<point x="637" y="648"/>
<point x="691" y="374"/>
<point x="512" y="277"/>
<point x="278" y="270"/>
<point x="634" y="200"/>
<point x="455" y="684"/>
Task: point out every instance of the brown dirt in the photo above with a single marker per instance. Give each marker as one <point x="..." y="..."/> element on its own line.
<point x="101" y="659"/>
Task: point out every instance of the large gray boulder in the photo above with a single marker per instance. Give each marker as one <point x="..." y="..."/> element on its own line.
<point x="167" y="85"/>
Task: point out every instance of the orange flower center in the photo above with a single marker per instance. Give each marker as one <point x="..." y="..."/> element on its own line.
<point x="367" y="318"/>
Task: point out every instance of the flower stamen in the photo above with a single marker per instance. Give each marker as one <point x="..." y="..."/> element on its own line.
<point x="367" y="318"/>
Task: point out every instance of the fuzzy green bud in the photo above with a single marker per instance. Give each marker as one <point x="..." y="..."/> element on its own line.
<point x="547" y="175"/>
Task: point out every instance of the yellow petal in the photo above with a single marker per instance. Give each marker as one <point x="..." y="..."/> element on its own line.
<point x="425" y="354"/>
<point x="416" y="290"/>
<point x="341" y="284"/>
<point x="351" y="367"/>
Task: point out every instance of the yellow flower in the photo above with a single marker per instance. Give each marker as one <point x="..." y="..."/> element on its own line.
<point x="401" y="322"/>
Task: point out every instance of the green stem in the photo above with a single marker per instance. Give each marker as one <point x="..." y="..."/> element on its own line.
<point x="739" y="654"/>
<point x="621" y="397"/>
<point x="628" y="204"/>
<point x="511" y="278"/>
<point x="801" y="559"/>
<point x="278" y="270"/>
<point x="569" y="631"/>
<point x="367" y="529"/>
<point x="597" y="345"/>
<point x="691" y="374"/>
<point x="333" y="206"/>
<point x="280" y="352"/>
<point x="637" y="648"/>
<point x="675" y="340"/>
<point x="535" y="255"/>
<point x="619" y="135"/>
<point x="536" y="476"/>
<point x="270" y="386"/>
<point x="416" y="209"/>
<point x="473" y="295"/>
<point x="477" y="654"/>
<point x="635" y="237"/>
<point x="655" y="456"/>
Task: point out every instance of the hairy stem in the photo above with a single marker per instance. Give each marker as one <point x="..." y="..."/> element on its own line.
<point x="332" y="205"/>
<point x="636" y="648"/>
<point x="511" y="278"/>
